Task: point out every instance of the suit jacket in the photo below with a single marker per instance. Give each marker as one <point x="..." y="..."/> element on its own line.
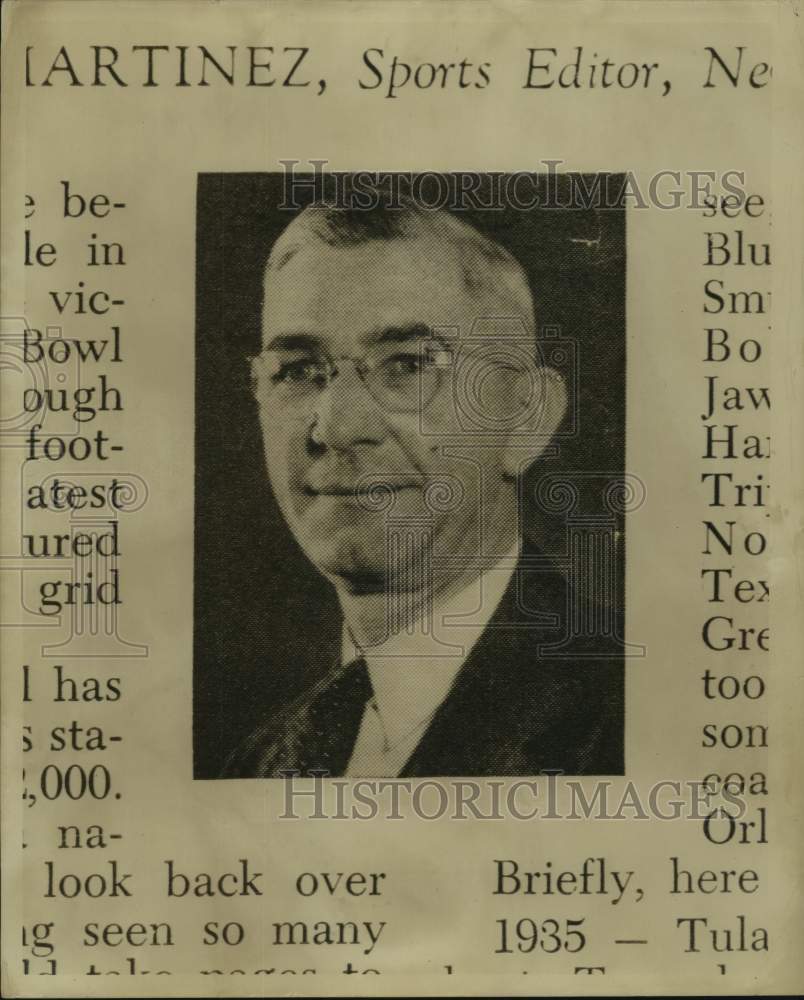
<point x="523" y="703"/>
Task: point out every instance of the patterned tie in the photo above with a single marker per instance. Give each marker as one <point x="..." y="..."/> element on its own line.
<point x="334" y="718"/>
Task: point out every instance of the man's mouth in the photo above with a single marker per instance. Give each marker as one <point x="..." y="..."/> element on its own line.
<point x="362" y="489"/>
<point x="331" y="491"/>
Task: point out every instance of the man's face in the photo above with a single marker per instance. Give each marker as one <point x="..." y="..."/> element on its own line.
<point x="324" y="439"/>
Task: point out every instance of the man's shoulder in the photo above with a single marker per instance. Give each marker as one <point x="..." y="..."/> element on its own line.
<point x="532" y="696"/>
<point x="275" y="745"/>
<point x="538" y="692"/>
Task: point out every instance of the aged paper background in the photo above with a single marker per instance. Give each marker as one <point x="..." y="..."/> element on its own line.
<point x="145" y="147"/>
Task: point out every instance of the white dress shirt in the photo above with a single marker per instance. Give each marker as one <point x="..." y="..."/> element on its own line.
<point x="413" y="671"/>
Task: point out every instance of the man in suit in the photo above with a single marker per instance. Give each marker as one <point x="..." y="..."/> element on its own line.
<point x="400" y="399"/>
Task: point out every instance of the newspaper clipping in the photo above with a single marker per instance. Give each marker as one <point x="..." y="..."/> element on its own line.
<point x="401" y="498"/>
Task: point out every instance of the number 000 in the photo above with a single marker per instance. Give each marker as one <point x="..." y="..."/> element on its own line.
<point x="75" y="782"/>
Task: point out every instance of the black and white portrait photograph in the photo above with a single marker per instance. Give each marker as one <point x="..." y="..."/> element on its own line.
<point x="410" y="476"/>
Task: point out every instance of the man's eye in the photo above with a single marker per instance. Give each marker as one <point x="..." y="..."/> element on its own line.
<point x="403" y="364"/>
<point x="303" y="371"/>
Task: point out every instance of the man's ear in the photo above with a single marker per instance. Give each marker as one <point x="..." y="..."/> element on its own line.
<point x="548" y="405"/>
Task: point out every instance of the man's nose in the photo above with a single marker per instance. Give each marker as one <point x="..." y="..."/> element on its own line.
<point x="346" y="414"/>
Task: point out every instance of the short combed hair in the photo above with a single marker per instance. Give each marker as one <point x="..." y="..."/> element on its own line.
<point x="490" y="272"/>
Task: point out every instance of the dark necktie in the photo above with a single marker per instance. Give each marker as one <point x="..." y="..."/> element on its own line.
<point x="334" y="721"/>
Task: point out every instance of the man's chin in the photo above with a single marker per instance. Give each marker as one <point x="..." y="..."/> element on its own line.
<point x="358" y="568"/>
<point x="354" y="554"/>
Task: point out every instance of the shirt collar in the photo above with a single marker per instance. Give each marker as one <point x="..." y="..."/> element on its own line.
<point x="413" y="671"/>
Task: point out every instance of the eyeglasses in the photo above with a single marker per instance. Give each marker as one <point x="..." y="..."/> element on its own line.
<point x="402" y="378"/>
